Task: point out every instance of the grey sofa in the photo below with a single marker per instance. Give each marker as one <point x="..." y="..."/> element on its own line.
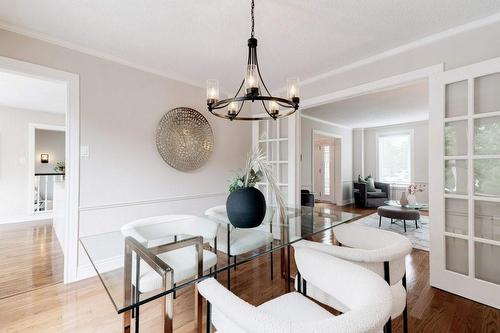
<point x="363" y="198"/>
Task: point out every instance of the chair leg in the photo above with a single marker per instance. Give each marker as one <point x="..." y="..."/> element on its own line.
<point x="404" y="223"/>
<point x="272" y="264"/>
<point x="388" y="326"/>
<point x="379" y="221"/>
<point x="175" y="292"/>
<point x="234" y="260"/>
<point x="416" y="224"/>
<point x="392" y="221"/>
<point x="405" y="311"/>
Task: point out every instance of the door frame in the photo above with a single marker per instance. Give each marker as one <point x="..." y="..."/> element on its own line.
<point x="338" y="175"/>
<point x="465" y="286"/>
<point x="72" y="137"/>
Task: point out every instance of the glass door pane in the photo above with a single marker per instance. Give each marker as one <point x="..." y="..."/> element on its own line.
<point x="487" y="220"/>
<point x="455" y="138"/>
<point x="487" y="177"/>
<point x="456" y="99"/>
<point x="486" y="262"/>
<point x="456" y="216"/>
<point x="486" y="96"/>
<point x="457" y="255"/>
<point x="487" y="136"/>
<point x="455" y="176"/>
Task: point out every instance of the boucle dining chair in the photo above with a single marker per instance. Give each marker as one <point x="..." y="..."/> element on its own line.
<point x="241" y="240"/>
<point x="380" y="251"/>
<point x="154" y="231"/>
<point x="364" y="292"/>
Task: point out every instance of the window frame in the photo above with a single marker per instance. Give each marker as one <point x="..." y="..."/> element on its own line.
<point x="380" y="135"/>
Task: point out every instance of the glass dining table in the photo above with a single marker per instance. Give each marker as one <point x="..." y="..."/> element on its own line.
<point x="130" y="255"/>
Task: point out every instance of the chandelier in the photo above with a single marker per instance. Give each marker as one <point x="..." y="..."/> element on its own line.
<point x="253" y="84"/>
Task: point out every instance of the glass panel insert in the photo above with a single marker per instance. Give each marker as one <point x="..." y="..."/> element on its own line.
<point x="486" y="262"/>
<point x="455" y="138"/>
<point x="456" y="99"/>
<point x="283" y="173"/>
<point x="487" y="177"/>
<point x="487" y="220"/>
<point x="456" y="216"/>
<point x="262" y="129"/>
<point x="283" y="123"/>
<point x="273" y="129"/>
<point x="487" y="136"/>
<point x="455" y="176"/>
<point x="273" y="151"/>
<point x="457" y="258"/>
<point x="486" y="96"/>
<point x="283" y="150"/>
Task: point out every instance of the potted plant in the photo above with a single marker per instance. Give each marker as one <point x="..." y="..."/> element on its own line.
<point x="246" y="205"/>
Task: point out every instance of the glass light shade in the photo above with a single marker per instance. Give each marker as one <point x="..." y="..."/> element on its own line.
<point x="232" y="108"/>
<point x="274" y="107"/>
<point x="252" y="80"/>
<point x="292" y="87"/>
<point x="212" y="90"/>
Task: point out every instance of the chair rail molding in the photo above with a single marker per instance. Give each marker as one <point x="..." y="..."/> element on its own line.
<point x="152" y="201"/>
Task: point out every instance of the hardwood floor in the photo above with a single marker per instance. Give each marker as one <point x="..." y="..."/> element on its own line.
<point x="30" y="257"/>
<point x="84" y="306"/>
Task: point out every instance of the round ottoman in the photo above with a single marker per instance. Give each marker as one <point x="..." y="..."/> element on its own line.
<point x="398" y="213"/>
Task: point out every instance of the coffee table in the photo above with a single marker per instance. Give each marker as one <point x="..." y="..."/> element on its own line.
<point x="417" y="206"/>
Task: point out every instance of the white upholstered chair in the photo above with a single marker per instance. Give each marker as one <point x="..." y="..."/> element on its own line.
<point x="153" y="231"/>
<point x="366" y="295"/>
<point x="380" y="251"/>
<point x="241" y="240"/>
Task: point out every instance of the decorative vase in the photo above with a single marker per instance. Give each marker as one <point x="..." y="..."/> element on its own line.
<point x="404" y="200"/>
<point x="412" y="199"/>
<point x="246" y="207"/>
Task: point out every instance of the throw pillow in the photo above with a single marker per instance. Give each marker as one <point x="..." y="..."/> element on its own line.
<point x="370" y="184"/>
<point x="361" y="179"/>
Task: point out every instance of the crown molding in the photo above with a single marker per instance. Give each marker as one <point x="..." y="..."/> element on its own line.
<point x="326" y="122"/>
<point x="95" y="53"/>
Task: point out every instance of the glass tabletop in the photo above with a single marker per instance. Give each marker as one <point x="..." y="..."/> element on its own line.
<point x="396" y="203"/>
<point x="116" y="256"/>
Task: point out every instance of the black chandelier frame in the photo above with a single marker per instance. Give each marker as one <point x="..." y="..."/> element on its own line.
<point x="291" y="105"/>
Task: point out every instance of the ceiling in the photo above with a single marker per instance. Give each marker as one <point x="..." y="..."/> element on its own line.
<point x="194" y="40"/>
<point x="23" y="92"/>
<point x="393" y="106"/>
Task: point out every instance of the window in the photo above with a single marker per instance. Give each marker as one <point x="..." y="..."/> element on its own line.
<point x="394" y="158"/>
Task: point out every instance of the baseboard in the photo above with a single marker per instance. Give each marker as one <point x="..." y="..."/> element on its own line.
<point x="105" y="265"/>
<point x="26" y="218"/>
<point x="347" y="201"/>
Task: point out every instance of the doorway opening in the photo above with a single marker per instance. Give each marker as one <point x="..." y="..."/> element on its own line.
<point x="39" y="183"/>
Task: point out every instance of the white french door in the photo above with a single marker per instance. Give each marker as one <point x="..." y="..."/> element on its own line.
<point x="277" y="139"/>
<point x="464" y="154"/>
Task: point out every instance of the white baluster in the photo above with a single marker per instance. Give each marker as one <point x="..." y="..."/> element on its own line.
<point x="46" y="193"/>
<point x="37" y="180"/>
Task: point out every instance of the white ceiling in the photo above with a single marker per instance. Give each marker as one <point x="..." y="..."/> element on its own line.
<point x="388" y="107"/>
<point x="193" y="40"/>
<point x="23" y="92"/>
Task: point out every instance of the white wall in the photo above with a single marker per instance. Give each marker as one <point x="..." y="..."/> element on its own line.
<point x="306" y="136"/>
<point x="420" y="151"/>
<point x="52" y="143"/>
<point x="14" y="158"/>
<point x="124" y="177"/>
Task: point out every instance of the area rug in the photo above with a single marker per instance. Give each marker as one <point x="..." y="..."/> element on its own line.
<point x="418" y="237"/>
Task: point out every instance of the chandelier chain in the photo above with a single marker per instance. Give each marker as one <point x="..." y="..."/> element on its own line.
<point x="253" y="19"/>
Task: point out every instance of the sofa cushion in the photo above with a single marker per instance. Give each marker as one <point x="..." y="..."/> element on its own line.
<point x="376" y="194"/>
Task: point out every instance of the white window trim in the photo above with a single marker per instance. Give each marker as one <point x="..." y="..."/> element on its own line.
<point x="412" y="152"/>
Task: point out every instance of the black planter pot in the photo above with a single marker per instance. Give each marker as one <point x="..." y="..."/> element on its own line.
<point x="246" y="207"/>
